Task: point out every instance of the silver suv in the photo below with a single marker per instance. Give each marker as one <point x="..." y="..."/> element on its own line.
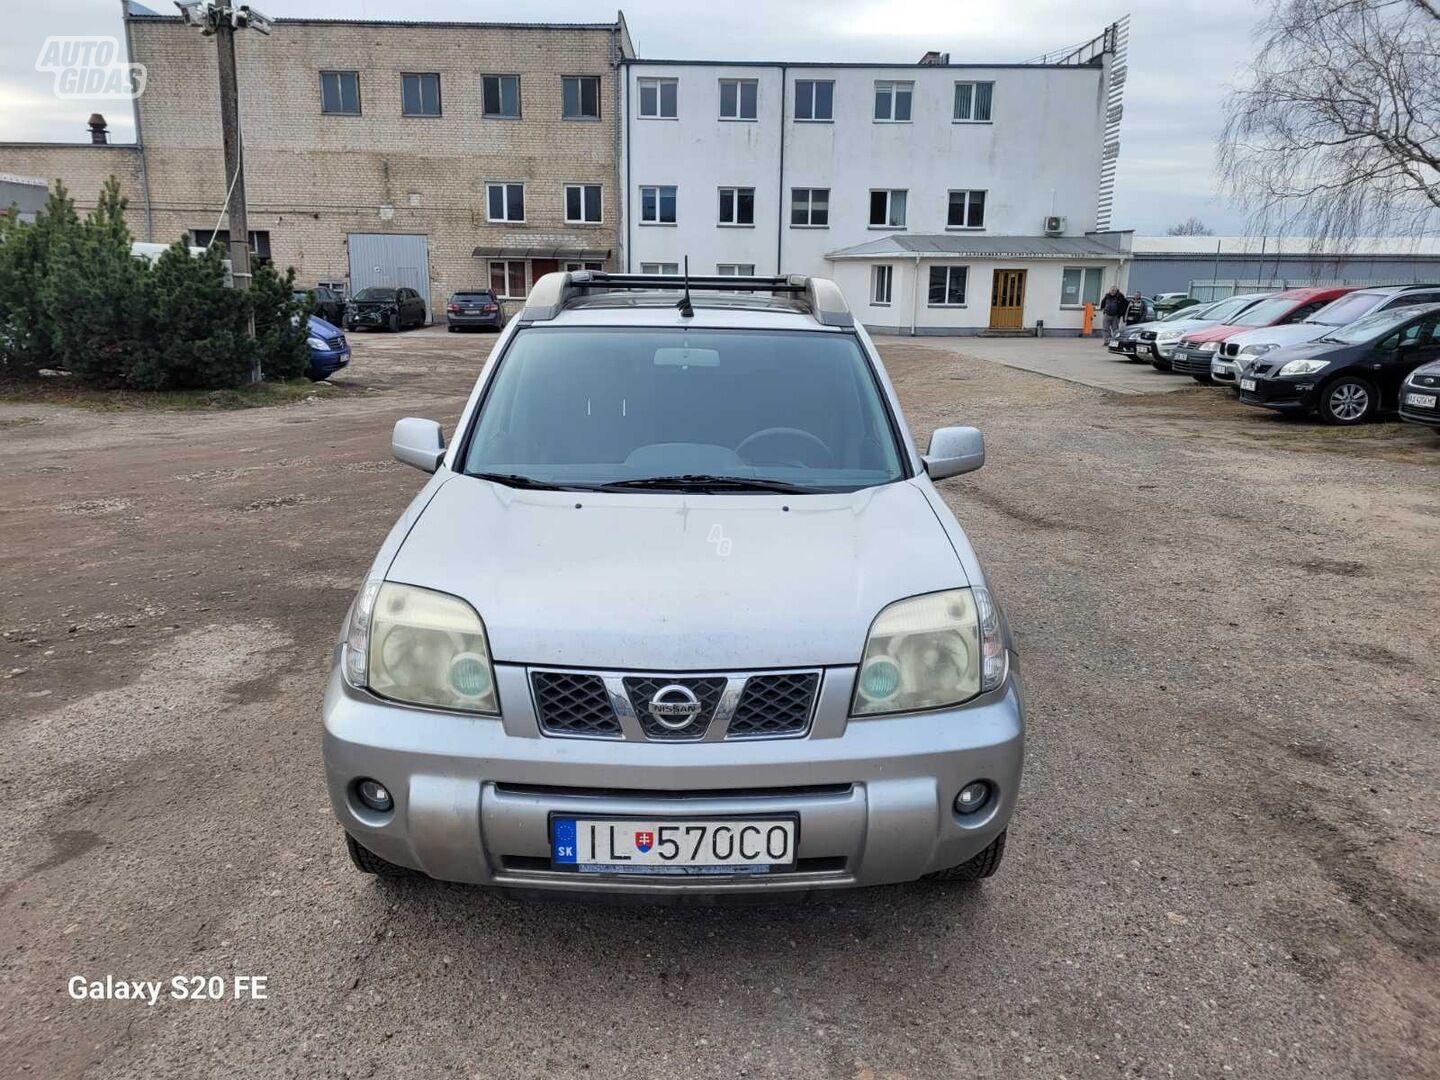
<point x="679" y="612"/>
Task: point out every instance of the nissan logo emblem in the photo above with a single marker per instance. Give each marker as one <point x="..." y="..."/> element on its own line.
<point x="674" y="706"/>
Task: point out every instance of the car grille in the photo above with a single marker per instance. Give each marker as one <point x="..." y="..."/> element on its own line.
<point x="1425" y="380"/>
<point x="1146" y="335"/>
<point x="641" y="690"/>
<point x="570" y="704"/>
<point x="760" y="706"/>
<point x="774" y="705"/>
<point x="1230" y="350"/>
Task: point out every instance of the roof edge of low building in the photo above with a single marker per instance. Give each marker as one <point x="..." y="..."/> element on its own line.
<point x="959" y="245"/>
<point x="132" y="15"/>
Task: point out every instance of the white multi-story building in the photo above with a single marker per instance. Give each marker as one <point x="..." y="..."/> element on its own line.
<point x="944" y="198"/>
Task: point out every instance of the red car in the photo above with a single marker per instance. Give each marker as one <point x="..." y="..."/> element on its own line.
<point x="1193" y="354"/>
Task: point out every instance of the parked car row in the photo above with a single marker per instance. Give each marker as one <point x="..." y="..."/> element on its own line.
<point x="1342" y="353"/>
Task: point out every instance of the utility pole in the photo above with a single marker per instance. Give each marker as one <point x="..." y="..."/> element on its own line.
<point x="221" y="20"/>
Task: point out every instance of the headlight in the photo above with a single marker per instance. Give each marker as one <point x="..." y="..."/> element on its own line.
<point x="1259" y="349"/>
<point x="315" y="343"/>
<point x="1302" y="367"/>
<point x="929" y="651"/>
<point x="1167" y="336"/>
<point x="422" y="647"/>
<point x="1209" y="346"/>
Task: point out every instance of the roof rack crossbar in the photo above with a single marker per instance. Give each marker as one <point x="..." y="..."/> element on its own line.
<point x="549" y="295"/>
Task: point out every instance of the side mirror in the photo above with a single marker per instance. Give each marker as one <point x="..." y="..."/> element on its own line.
<point x="954" y="450"/>
<point x="419" y="443"/>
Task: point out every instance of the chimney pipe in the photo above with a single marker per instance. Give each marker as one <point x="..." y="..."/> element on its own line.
<point x="99" y="133"/>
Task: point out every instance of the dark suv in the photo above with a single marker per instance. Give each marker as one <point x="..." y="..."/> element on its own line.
<point x="471" y="309"/>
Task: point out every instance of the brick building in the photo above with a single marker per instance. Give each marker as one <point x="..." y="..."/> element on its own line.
<point x="438" y="155"/>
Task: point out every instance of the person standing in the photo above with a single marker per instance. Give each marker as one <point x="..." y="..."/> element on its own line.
<point x="1135" y="309"/>
<point x="1112" y="307"/>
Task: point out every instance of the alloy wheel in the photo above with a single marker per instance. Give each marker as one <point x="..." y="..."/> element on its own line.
<point x="1349" y="402"/>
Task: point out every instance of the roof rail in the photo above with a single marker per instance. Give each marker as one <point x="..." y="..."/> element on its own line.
<point x="552" y="292"/>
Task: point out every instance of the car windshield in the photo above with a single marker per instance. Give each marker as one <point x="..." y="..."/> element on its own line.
<point x="375" y="294"/>
<point x="591" y="406"/>
<point x="1347" y="309"/>
<point x="1226" y="310"/>
<point x="1265" y="313"/>
<point x="1371" y="326"/>
<point x="1189" y="313"/>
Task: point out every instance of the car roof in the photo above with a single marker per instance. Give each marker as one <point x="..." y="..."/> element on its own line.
<point x="660" y="309"/>
<point x="1317" y="292"/>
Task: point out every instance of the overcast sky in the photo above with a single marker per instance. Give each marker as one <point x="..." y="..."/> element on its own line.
<point x="1182" y="53"/>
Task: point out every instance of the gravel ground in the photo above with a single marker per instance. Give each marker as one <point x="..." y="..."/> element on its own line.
<point x="1224" y="861"/>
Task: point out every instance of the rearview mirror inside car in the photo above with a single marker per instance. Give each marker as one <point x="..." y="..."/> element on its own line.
<point x="418" y="442"/>
<point x="954" y="450"/>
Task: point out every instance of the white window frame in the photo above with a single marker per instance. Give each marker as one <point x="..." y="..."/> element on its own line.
<point x="882" y="274"/>
<point x="735" y="222"/>
<point x="949" y="269"/>
<point x="1085" y="272"/>
<point x="665" y="268"/>
<point x="974" y="84"/>
<point x="984" y="194"/>
<point x="505" y="186"/>
<point x="739" y="114"/>
<point x="658" y="188"/>
<point x="812" y="118"/>
<point x="735" y="269"/>
<point x="599" y="204"/>
<point x="657" y="83"/>
<point x="894" y="88"/>
<point x="809" y="208"/>
<point x="509" y="265"/>
<point x="570" y="267"/>
<point x="890" y="194"/>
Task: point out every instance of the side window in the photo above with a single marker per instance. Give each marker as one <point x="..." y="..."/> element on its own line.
<point x="1305" y="311"/>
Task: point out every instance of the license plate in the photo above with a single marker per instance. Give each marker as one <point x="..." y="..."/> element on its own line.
<point x="1423" y="401"/>
<point x="1112" y="344"/>
<point x="1247" y="384"/>
<point x="668" y="846"/>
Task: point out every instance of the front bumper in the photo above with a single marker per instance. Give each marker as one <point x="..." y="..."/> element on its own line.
<point x="473" y="795"/>
<point x="1282" y="395"/>
<point x="327" y="362"/>
<point x="1226" y="370"/>
<point x="1418" y="414"/>
<point x="1186" y="361"/>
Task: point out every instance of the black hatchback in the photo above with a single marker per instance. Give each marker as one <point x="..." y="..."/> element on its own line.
<point x="1351" y="373"/>
<point x="474" y="309"/>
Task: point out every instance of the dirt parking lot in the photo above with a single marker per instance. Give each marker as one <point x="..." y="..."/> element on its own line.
<point x="1226" y="859"/>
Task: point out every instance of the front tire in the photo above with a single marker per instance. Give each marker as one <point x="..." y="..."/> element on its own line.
<point x="1348" y="401"/>
<point x="978" y="867"/>
<point x="367" y="862"/>
<point x="395" y="323"/>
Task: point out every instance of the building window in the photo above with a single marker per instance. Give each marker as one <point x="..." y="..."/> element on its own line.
<point x="420" y="94"/>
<point x="659" y="268"/>
<point x="500" y="97"/>
<point x="259" y="241"/>
<point x="738" y="99"/>
<point x="892" y="102"/>
<point x="735" y="269"/>
<point x="657" y="205"/>
<point x="880" y="278"/>
<point x="737" y="206"/>
<point x="1080" y="285"/>
<point x="658" y="99"/>
<point x="581" y="97"/>
<point x="505" y="202"/>
<point x="814" y="99"/>
<point x="507" y="279"/>
<point x="887" y="208"/>
<point x="340" y="93"/>
<point x="947" y="286"/>
<point x="972" y="102"/>
<point x="810" y="208"/>
<point x="582" y="203"/>
<point x="967" y="210"/>
<point x="569" y="266"/>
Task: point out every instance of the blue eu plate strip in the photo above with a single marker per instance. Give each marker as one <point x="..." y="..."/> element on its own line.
<point x="564" y="840"/>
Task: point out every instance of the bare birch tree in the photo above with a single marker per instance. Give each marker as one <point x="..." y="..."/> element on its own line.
<point x="1337" y="132"/>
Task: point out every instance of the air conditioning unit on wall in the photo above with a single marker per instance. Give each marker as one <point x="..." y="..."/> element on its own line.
<point x="1054" y="226"/>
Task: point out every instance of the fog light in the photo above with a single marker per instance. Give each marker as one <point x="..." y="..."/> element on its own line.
<point x="373" y="794"/>
<point x="972" y="797"/>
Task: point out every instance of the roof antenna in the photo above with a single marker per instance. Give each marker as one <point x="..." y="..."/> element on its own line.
<point x="687" y="310"/>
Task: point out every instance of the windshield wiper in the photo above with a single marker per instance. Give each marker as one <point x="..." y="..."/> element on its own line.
<point x="707" y="482"/>
<point x="516" y="480"/>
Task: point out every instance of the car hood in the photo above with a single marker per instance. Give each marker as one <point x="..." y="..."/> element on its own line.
<point x="677" y="582"/>
<point x="322" y="328"/>
<point x="1283" y="336"/>
<point x="1430" y="370"/>
<point x="1319" y="350"/>
<point x="1185" y="326"/>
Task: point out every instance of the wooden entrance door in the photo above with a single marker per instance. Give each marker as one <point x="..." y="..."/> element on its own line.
<point x="1007" y="300"/>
